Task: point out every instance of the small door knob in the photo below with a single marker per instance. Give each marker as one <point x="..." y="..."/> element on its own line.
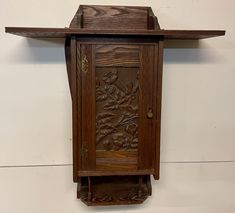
<point x="150" y="113"/>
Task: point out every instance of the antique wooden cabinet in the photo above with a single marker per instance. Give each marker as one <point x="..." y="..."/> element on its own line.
<point x="114" y="58"/>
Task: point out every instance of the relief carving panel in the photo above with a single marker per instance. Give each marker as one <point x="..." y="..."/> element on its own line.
<point x="117" y="108"/>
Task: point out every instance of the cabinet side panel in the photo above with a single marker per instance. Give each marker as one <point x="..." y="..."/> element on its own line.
<point x="146" y="131"/>
<point x="78" y="107"/>
<point x="158" y="102"/>
<point x="72" y="73"/>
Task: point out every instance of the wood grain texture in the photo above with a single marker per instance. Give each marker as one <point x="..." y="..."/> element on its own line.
<point x="146" y="131"/>
<point x="124" y="155"/>
<point x="79" y="108"/>
<point x="71" y="62"/>
<point x="115" y="190"/>
<point x="114" y="17"/>
<point x="158" y="104"/>
<point x="116" y="173"/>
<point x="121" y="55"/>
<point x="115" y="166"/>
<point x="116" y="160"/>
<point x="64" y="32"/>
<point x="88" y="108"/>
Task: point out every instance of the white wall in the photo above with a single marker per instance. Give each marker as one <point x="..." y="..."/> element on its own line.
<point x="198" y="117"/>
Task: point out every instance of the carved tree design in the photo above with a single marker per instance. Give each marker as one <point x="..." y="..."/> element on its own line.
<point x="116" y="121"/>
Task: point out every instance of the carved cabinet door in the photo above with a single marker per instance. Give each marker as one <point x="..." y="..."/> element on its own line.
<point x="117" y="106"/>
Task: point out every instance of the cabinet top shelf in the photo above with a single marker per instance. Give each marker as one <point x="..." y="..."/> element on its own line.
<point x="35" y="32"/>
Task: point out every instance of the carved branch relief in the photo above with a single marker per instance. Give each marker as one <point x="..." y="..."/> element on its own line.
<point x="117" y="109"/>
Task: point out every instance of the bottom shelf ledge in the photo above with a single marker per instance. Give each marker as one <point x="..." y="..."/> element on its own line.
<point x="114" y="190"/>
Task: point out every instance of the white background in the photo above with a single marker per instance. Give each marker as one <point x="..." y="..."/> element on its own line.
<point x="198" y="116"/>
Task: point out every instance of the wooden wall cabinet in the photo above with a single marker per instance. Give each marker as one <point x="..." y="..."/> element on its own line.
<point x="114" y="57"/>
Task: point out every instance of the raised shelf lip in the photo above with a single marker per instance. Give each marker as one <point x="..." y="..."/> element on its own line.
<point x="38" y="32"/>
<point x="114" y="173"/>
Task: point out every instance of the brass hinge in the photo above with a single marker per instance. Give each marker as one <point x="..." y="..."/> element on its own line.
<point x="84" y="64"/>
<point x="84" y="151"/>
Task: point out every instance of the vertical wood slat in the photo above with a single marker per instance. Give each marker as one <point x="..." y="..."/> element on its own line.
<point x="146" y="131"/>
<point x="92" y="154"/>
<point x="158" y="102"/>
<point x="88" y="107"/>
<point x="78" y="104"/>
<point x="155" y="101"/>
<point x="73" y="87"/>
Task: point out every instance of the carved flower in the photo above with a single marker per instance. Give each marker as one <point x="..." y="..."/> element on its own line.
<point x="131" y="129"/>
<point x="110" y="77"/>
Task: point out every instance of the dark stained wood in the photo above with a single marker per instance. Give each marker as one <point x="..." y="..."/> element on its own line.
<point x="115" y="173"/>
<point x="113" y="190"/>
<point x="116" y="160"/>
<point x="88" y="106"/>
<point x="148" y="182"/>
<point x="155" y="110"/>
<point x="117" y="108"/>
<point x="115" y="166"/>
<point x="146" y="131"/>
<point x="67" y="48"/>
<point x="158" y="104"/>
<point x="77" y="156"/>
<point x="78" y="187"/>
<point x="121" y="156"/>
<point x="64" y="32"/>
<point x="114" y="17"/>
<point x="114" y="59"/>
<point x="71" y="62"/>
<point x="121" y="55"/>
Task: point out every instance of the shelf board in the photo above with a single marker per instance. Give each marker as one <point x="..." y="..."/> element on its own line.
<point x="114" y="190"/>
<point x="34" y="32"/>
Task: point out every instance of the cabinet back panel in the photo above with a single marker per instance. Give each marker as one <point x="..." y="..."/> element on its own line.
<point x="110" y="17"/>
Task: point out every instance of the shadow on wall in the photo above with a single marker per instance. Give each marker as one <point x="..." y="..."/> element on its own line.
<point x="51" y="51"/>
<point x="190" y="52"/>
<point x="39" y="51"/>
